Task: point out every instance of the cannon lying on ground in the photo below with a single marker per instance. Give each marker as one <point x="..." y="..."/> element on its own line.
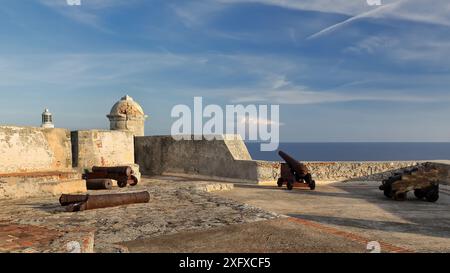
<point x="423" y="180"/>
<point x="123" y="175"/>
<point x="294" y="173"/>
<point x="87" y="202"/>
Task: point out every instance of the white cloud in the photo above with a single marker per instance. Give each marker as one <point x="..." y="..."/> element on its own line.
<point x="372" y="45"/>
<point x="348" y="7"/>
<point x="85" y="69"/>
<point x="279" y="81"/>
<point x="258" y="121"/>
<point x="432" y="12"/>
<point x="436" y="12"/>
<point x="302" y="95"/>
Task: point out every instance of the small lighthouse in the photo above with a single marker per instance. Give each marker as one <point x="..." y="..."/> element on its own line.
<point x="47" y="120"/>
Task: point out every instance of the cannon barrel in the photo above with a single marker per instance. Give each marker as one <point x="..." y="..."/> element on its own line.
<point x="120" y="170"/>
<point x="67" y="199"/>
<point x="88" y="202"/>
<point x="293" y="164"/>
<point x="99" y="184"/>
<point x="122" y="180"/>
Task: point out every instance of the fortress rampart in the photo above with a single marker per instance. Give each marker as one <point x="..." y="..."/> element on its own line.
<point x="230" y="160"/>
<point x="36" y="161"/>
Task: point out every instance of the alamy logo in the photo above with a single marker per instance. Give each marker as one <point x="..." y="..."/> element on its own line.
<point x="374" y="2"/>
<point x="74" y="2"/>
<point x="251" y="122"/>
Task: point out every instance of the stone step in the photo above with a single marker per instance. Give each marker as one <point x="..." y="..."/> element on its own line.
<point x="37" y="177"/>
<point x="32" y="188"/>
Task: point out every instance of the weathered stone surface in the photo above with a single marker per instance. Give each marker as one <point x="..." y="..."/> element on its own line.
<point x="127" y="114"/>
<point x="63" y="187"/>
<point x="28" y="184"/>
<point x="361" y="171"/>
<point x="102" y="148"/>
<point x="33" y="188"/>
<point x="176" y="204"/>
<point x="29" y="149"/>
<point x="227" y="159"/>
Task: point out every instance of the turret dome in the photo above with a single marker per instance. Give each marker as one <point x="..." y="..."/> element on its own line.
<point x="127" y="114"/>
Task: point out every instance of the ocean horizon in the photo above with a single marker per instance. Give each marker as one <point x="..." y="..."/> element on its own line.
<point x="355" y="151"/>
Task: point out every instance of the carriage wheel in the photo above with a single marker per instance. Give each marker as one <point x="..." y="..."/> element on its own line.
<point x="433" y="194"/>
<point x="290" y="185"/>
<point x="280" y="182"/>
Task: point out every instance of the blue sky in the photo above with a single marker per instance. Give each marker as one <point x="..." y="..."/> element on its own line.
<point x="340" y="69"/>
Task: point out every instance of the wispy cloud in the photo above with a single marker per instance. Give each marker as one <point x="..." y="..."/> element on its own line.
<point x="410" y="10"/>
<point x="330" y="6"/>
<point x="367" y="14"/>
<point x="302" y="95"/>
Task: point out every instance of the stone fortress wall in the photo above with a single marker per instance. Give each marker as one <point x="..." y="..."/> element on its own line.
<point x="35" y="161"/>
<point x="221" y="159"/>
<point x="102" y="148"/>
<point x="28" y="149"/>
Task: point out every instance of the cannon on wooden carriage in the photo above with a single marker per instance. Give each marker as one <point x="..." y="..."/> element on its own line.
<point x="294" y="173"/>
<point x="124" y="175"/>
<point x="423" y="180"/>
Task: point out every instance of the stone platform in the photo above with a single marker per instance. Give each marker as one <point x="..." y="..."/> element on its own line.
<point x="31" y="184"/>
<point x="187" y="215"/>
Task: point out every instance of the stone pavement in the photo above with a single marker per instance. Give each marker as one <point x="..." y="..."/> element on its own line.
<point x="186" y="215"/>
<point x="359" y="211"/>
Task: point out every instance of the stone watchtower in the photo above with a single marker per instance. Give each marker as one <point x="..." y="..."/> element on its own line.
<point x="127" y="114"/>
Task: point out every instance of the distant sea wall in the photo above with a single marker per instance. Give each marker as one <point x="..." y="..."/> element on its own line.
<point x="361" y="171"/>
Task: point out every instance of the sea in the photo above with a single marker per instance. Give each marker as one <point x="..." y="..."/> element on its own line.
<point x="356" y="151"/>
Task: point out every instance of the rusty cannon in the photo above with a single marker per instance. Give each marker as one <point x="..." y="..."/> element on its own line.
<point x="124" y="175"/>
<point x="99" y="184"/>
<point x="294" y="173"/>
<point x="423" y="180"/>
<point x="74" y="203"/>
